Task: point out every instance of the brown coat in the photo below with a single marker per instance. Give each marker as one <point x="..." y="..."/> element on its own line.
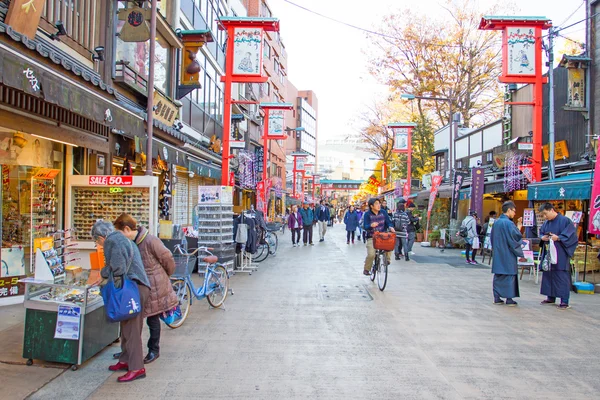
<point x="159" y="265"/>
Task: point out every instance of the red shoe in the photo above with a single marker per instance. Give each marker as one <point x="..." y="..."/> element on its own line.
<point x="133" y="375"/>
<point x="118" y="367"/>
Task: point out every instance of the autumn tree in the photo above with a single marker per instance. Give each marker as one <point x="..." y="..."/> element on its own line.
<point x="447" y="57"/>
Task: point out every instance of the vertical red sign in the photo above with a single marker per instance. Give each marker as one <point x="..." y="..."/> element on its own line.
<point x="435" y="184"/>
<point x="594" y="227"/>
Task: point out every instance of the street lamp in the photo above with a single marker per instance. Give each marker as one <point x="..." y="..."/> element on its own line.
<point x="410" y="96"/>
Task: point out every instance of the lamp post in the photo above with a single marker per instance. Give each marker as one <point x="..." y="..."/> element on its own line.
<point x="451" y="127"/>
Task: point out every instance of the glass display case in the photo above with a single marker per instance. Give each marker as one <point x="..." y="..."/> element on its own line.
<point x="65" y="322"/>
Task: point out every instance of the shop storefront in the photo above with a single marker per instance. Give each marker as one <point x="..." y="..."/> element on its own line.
<point x="570" y="196"/>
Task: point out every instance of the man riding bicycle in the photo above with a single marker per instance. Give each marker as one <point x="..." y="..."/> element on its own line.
<point x="375" y="220"/>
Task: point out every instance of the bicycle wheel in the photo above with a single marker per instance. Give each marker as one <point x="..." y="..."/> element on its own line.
<point x="273" y="242"/>
<point x="262" y="253"/>
<point x="218" y="282"/>
<point x="374" y="268"/>
<point x="383" y="273"/>
<point x="183" y="292"/>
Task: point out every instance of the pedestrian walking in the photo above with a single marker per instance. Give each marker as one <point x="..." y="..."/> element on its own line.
<point x="558" y="229"/>
<point x="351" y="221"/>
<point x="401" y="223"/>
<point x="468" y="231"/>
<point x="413" y="227"/>
<point x="331" y="214"/>
<point x="295" y="224"/>
<point x="159" y="266"/>
<point x="375" y="220"/>
<point x="322" y="216"/>
<point x="361" y="223"/>
<point x="308" y="217"/>
<point x="507" y="244"/>
<point x="122" y="258"/>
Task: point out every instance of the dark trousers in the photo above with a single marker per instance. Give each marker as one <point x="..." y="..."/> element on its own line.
<point x="468" y="250"/>
<point x="153" y="323"/>
<point x="307" y="235"/>
<point x="295" y="235"/>
<point x="132" y="353"/>
<point x="348" y="234"/>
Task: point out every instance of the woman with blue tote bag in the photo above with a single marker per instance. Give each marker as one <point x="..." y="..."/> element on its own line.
<point x="123" y="260"/>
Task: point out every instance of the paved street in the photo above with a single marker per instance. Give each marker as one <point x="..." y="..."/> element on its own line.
<point x="433" y="334"/>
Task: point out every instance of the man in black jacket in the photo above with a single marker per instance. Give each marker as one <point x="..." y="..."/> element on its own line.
<point x="412" y="228"/>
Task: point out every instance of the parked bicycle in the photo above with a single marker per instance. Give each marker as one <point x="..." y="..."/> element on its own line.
<point x="379" y="269"/>
<point x="214" y="287"/>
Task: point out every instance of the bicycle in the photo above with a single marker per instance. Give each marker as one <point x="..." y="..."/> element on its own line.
<point x="214" y="287"/>
<point x="380" y="269"/>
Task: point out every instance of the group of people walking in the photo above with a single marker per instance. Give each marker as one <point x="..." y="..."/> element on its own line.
<point x="131" y="251"/>
<point x="304" y="219"/>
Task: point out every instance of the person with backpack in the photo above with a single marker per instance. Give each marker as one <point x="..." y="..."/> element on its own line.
<point x="401" y="223"/>
<point x="413" y="227"/>
<point x="468" y="231"/>
<point x="351" y="221"/>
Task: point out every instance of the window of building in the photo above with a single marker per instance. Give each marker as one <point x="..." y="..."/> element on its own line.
<point x="78" y="17"/>
<point x="264" y="10"/>
<point x="266" y="50"/>
<point x="266" y="89"/>
<point x="440" y="162"/>
<point x="459" y="164"/>
<point x="489" y="157"/>
<point x="136" y="54"/>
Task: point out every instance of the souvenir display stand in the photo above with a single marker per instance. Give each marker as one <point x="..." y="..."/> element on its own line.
<point x="64" y="315"/>
<point x="213" y="223"/>
<point x="244" y="262"/>
<point x="90" y="198"/>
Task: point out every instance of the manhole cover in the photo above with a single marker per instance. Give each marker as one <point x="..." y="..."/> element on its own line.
<point x="344" y="292"/>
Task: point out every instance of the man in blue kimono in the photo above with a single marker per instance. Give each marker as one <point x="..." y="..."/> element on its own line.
<point x="557" y="281"/>
<point x="507" y="245"/>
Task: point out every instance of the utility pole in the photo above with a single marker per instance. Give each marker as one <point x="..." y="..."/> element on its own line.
<point x="551" y="170"/>
<point x="150" y="109"/>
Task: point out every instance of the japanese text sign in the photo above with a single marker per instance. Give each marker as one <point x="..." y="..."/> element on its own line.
<point x="247" y="51"/>
<point x="520" y="43"/>
<point x="105" y="180"/>
<point x="594" y="226"/>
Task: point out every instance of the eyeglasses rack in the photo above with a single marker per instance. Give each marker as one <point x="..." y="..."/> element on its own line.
<point x="53" y="254"/>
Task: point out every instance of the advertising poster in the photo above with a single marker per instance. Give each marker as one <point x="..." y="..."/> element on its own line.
<point x="521" y="51"/>
<point x="67" y="322"/>
<point x="276" y="123"/>
<point x="487" y="242"/>
<point x="247" y="51"/>
<point x="528" y="217"/>
<point x="13" y="261"/>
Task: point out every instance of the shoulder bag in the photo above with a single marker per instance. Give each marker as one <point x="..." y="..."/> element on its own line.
<point x="121" y="304"/>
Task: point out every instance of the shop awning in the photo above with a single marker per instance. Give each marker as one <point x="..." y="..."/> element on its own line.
<point x="570" y="187"/>
<point x="206" y="169"/>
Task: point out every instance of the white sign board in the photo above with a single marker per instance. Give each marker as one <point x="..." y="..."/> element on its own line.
<point x="521" y="51"/>
<point x="401" y="139"/>
<point x="247" y="51"/>
<point x="275" y="122"/>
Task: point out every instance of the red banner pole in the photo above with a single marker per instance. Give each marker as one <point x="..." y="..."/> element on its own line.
<point x="538" y="92"/>
<point x="227" y="108"/>
<point x="409" y="158"/>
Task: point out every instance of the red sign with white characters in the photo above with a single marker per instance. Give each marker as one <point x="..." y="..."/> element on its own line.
<point x="106" y="180"/>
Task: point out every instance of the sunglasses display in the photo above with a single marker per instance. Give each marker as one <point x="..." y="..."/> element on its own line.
<point x="91" y="204"/>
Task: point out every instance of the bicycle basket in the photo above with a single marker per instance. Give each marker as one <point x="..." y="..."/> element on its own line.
<point x="184" y="265"/>
<point x="384" y="241"/>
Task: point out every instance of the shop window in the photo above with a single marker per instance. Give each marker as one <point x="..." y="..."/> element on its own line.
<point x="31" y="203"/>
<point x="134" y="63"/>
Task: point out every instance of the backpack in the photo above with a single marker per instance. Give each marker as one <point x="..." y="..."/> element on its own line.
<point x="463" y="231"/>
<point x="401" y="221"/>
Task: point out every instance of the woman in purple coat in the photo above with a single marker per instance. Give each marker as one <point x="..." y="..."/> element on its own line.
<point x="295" y="225"/>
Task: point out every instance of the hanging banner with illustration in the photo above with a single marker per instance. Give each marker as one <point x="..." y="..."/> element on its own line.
<point x="521" y="50"/>
<point x="276" y="122"/>
<point x="459" y="178"/>
<point x="247" y="51"/>
<point x="594" y="226"/>
<point x="401" y="139"/>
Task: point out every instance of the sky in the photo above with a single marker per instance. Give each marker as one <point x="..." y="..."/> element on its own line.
<point x="329" y="58"/>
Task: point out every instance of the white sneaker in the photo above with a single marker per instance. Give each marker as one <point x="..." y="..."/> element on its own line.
<point x="412" y="253"/>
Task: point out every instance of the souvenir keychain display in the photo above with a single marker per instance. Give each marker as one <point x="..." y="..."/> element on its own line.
<point x="91" y="204"/>
<point x="43" y="207"/>
<point x="53" y="254"/>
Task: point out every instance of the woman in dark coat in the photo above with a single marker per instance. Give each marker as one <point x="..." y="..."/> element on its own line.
<point x="159" y="266"/>
<point x="122" y="258"/>
<point x="351" y="220"/>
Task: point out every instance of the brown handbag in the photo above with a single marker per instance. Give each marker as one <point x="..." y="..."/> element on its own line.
<point x="384" y="241"/>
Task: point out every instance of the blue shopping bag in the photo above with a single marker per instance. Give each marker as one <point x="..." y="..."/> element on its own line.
<point x="121" y="304"/>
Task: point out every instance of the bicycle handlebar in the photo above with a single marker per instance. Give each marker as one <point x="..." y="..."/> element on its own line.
<point x="179" y="249"/>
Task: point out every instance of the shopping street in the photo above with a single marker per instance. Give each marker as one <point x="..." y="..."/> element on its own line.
<point x="432" y="334"/>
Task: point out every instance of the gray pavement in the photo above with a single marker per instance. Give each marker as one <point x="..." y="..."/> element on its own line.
<point x="307" y="324"/>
